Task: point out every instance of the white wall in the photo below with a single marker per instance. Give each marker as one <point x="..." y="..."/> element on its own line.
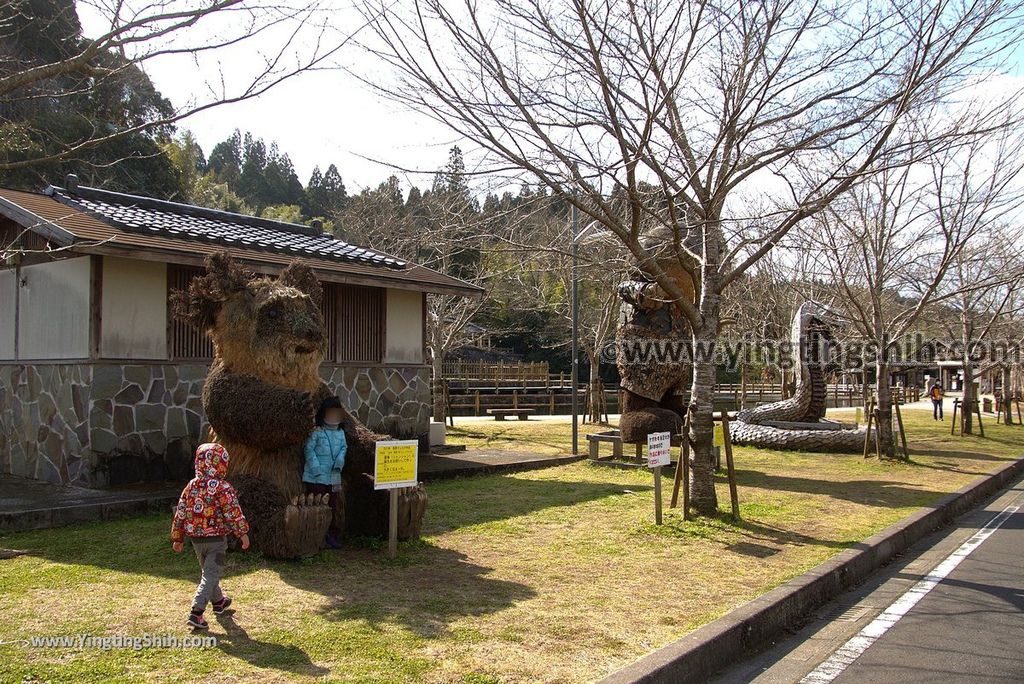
<point x="134" y="309"/>
<point x="54" y="310"/>
<point x="403" y="336"/>
<point x="8" y="295"/>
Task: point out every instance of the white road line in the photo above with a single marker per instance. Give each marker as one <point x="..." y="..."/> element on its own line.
<point x="852" y="649"/>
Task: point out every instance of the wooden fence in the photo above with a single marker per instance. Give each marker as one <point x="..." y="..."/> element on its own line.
<point x="521" y="374"/>
<point x="557" y="400"/>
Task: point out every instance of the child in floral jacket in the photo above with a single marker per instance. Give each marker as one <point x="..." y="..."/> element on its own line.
<point x="207" y="512"/>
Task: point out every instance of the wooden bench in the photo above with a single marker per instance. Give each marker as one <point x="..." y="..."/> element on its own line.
<point x="500" y="414"/>
<point x="594" y="440"/>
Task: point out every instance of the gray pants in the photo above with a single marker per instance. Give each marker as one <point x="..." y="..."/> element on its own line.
<point x="211" y="552"/>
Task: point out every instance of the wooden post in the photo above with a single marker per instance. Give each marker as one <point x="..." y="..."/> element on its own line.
<point x="448" y="404"/>
<point x="878" y="442"/>
<point x="977" y="410"/>
<point x="686" y="475"/>
<point x="867" y="434"/>
<point x="903" y="434"/>
<point x="679" y="465"/>
<point x="392" y="523"/>
<point x="551" y="403"/>
<point x="657" y="495"/>
<point x="682" y="477"/>
<point x="730" y="468"/>
<point x="952" y="425"/>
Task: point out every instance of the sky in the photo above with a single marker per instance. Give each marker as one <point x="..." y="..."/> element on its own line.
<point x="317" y="118"/>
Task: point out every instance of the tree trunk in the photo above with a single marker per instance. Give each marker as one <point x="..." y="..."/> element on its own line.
<point x="595" y="388"/>
<point x="1006" y="392"/>
<point x="865" y="391"/>
<point x="702" y="425"/>
<point x="885" y="435"/>
<point x="743" y="385"/>
<point x="967" y="414"/>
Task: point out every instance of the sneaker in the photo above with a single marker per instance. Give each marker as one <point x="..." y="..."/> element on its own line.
<point x="220" y="606"/>
<point x="197" y="621"/>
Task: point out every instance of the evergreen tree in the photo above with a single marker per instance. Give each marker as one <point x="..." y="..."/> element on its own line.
<point x="226" y="159"/>
<point x="41" y="121"/>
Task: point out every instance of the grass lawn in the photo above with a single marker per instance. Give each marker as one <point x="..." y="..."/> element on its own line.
<point x="556" y="575"/>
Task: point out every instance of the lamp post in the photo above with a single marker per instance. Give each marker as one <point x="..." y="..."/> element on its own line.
<point x="576" y="235"/>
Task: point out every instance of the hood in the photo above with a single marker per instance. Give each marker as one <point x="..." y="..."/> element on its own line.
<point x="211" y="462"/>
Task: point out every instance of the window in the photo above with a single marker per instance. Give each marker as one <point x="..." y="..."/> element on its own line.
<point x="357" y="333"/>
<point x="353" y="316"/>
<point x="184" y="340"/>
<point x="329" y="310"/>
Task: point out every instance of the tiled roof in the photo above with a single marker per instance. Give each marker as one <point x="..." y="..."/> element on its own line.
<point x="157" y="217"/>
<point x="98" y="222"/>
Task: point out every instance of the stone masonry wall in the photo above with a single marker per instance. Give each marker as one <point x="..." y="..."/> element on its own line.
<point x="100" y="424"/>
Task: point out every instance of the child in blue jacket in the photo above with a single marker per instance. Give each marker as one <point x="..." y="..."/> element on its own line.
<point x="325" y="457"/>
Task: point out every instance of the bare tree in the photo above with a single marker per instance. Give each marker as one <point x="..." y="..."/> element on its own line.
<point x="600" y="269"/>
<point x="441" y="231"/>
<point x="45" y="62"/>
<point x="980" y="189"/>
<point x="912" y="240"/>
<point x="693" y="112"/>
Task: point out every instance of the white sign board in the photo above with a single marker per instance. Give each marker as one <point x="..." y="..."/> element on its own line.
<point x="659" y="449"/>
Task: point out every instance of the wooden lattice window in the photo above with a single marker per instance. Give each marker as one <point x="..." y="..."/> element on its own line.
<point x="359" y="327"/>
<point x="185" y="341"/>
<point x="329" y="309"/>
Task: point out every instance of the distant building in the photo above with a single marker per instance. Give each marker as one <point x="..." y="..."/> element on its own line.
<point x="99" y="385"/>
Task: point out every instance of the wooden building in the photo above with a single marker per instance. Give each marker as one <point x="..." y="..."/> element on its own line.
<point x="99" y="384"/>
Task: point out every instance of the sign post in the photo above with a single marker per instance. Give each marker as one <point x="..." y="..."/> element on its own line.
<point x="659" y="453"/>
<point x="395" y="466"/>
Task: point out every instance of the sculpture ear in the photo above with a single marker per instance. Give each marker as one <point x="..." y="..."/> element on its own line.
<point x="301" y="277"/>
<point x="199" y="304"/>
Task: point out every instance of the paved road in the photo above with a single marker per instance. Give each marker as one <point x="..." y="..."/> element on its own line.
<point x="952" y="611"/>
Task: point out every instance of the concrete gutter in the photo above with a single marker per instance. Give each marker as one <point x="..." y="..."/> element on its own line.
<point x="755" y="625"/>
<point x="34" y="513"/>
<point x="469" y="468"/>
<point x="59" y="516"/>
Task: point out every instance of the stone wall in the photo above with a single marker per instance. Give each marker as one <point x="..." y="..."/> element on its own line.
<point x="390" y="399"/>
<point x="101" y="424"/>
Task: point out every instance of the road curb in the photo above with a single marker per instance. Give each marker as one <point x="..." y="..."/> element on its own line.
<point x="752" y="626"/>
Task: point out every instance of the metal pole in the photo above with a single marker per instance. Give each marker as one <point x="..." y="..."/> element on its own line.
<point x="575" y="335"/>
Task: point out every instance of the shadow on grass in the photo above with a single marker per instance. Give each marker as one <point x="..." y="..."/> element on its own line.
<point x="427" y="589"/>
<point x="780" y="536"/>
<point x="468" y="501"/>
<point x="758" y="539"/>
<point x="886" y="493"/>
<point x="236" y="642"/>
<point x="423" y="590"/>
<point x="956" y="453"/>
